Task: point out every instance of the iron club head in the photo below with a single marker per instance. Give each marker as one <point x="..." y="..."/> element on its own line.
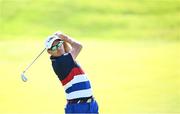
<point x="23" y="77"/>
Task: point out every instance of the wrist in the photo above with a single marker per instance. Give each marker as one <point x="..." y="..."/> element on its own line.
<point x="64" y="37"/>
<point x="68" y="39"/>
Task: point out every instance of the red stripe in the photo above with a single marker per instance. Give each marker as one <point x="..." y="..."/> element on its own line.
<point x="75" y="71"/>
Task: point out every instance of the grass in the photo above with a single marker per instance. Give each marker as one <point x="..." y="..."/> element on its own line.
<point x="130" y="54"/>
<point x="127" y="77"/>
<point x="127" y="20"/>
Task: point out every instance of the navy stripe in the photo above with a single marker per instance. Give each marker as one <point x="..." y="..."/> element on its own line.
<point x="63" y="65"/>
<point x="78" y="86"/>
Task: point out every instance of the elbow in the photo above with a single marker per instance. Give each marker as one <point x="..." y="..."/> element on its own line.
<point x="80" y="46"/>
<point x="77" y="46"/>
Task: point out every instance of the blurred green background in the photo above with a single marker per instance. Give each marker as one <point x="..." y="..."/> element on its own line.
<point x="131" y="54"/>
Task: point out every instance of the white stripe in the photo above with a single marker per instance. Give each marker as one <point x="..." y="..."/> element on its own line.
<point x="76" y="79"/>
<point x="79" y="94"/>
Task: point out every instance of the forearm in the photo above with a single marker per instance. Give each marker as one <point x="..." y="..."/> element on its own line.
<point x="71" y="41"/>
<point x="76" y="46"/>
<point x="67" y="47"/>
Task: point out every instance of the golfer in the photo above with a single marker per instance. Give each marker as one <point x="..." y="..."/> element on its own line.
<point x="64" y="50"/>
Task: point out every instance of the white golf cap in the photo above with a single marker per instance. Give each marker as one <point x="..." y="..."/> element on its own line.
<point x="49" y="41"/>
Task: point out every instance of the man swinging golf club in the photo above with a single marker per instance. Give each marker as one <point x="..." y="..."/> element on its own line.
<point x="64" y="50"/>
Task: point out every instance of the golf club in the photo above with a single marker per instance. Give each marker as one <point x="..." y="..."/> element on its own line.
<point x="23" y="77"/>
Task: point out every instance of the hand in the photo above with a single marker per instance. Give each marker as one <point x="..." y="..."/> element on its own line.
<point x="58" y="33"/>
<point x="61" y="36"/>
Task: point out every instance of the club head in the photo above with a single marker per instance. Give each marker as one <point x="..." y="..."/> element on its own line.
<point x="23" y="77"/>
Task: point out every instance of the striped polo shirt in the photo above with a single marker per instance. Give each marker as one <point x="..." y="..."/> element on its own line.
<point x="72" y="77"/>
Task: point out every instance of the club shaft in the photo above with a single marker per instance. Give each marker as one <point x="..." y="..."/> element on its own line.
<point x="33" y="61"/>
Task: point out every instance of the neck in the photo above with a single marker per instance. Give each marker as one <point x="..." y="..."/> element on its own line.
<point x="57" y="54"/>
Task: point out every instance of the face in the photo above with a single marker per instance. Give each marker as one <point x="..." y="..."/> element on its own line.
<point x="57" y="48"/>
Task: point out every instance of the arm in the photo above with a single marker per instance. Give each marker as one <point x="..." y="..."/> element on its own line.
<point x="76" y="46"/>
<point x="67" y="47"/>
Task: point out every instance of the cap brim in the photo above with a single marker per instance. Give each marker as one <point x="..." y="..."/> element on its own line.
<point x="50" y="42"/>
